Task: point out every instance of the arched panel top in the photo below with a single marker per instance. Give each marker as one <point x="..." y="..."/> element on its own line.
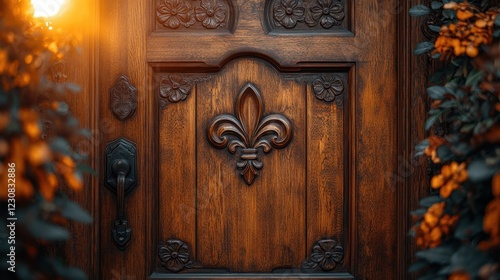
<point x="281" y="65"/>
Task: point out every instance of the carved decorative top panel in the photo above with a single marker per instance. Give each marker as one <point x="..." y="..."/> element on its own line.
<point x="178" y="15"/>
<point x="307" y="15"/>
<point x="249" y="131"/>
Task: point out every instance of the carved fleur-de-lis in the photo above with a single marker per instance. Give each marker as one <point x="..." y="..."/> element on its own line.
<point x="249" y="130"/>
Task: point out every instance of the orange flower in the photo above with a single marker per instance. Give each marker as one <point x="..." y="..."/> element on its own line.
<point x="47" y="183"/>
<point x="39" y="153"/>
<point x="459" y="276"/>
<point x="30" y="122"/>
<point x="431" y="150"/>
<point x="74" y="180"/>
<point x="4" y="119"/>
<point x="473" y="29"/>
<point x="434" y="226"/>
<point x="491" y="221"/>
<point x="450" y="178"/>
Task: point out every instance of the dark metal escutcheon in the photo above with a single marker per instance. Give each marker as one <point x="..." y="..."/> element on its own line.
<point x="121" y="180"/>
<point x="121" y="149"/>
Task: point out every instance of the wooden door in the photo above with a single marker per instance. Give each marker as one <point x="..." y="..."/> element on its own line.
<point x="265" y="136"/>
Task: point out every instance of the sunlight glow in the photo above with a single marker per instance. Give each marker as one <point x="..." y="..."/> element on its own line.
<point x="46" y="8"/>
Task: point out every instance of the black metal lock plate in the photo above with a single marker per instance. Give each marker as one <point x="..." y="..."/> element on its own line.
<point x="124" y="150"/>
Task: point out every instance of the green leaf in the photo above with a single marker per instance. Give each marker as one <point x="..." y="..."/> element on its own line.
<point x="437" y="92"/>
<point x="84" y="168"/>
<point x="72" y="211"/>
<point x="468" y="227"/>
<point x="60" y="145"/>
<point x="423" y="47"/>
<point x="422" y="145"/>
<point x="445" y="153"/>
<point x="63" y="108"/>
<point x="437" y="77"/>
<point x="418" y="265"/>
<point x="73" y="273"/>
<point x="438" y="255"/>
<point x="419" y="10"/>
<point x="64" y="271"/>
<point x="46" y="231"/>
<point x="469" y="259"/>
<point x="436" y="5"/>
<point x="497" y="20"/>
<point x="430" y="200"/>
<point x="73" y="87"/>
<point x="480" y="171"/>
<point x="419" y="213"/>
<point x="448" y="104"/>
<point x="23" y="272"/>
<point x="458" y="196"/>
<point x="467" y="128"/>
<point x="496" y="34"/>
<point x="431" y="276"/>
<point x="432" y="119"/>
<point x="474" y="77"/>
<point x="450" y="14"/>
<point x="85" y="133"/>
<point x="435" y="28"/>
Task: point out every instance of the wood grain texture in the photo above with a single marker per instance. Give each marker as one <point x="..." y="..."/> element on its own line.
<point x="330" y="182"/>
<point x="122" y="51"/>
<point x="80" y="68"/>
<point x="248" y="228"/>
<point x="326" y="169"/>
<point x="415" y="170"/>
<point x="375" y="141"/>
<point x="177" y="171"/>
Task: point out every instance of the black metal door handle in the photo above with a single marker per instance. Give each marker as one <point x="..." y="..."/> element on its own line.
<point x="121" y="180"/>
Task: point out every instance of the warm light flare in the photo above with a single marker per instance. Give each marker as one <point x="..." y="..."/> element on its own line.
<point x="47" y="8"/>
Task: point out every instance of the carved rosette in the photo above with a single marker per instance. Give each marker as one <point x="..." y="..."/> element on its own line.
<point x="322" y="13"/>
<point x="328" y="88"/>
<point x="175" y="256"/>
<point x="250" y="132"/>
<point x="174" y="88"/>
<point x="326" y="255"/>
<point x="123" y="96"/>
<point x="210" y="14"/>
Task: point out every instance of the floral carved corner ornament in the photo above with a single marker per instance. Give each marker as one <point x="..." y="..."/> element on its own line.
<point x="175" y="256"/>
<point x="174" y="88"/>
<point x="249" y="131"/>
<point x="209" y="13"/>
<point x="326" y="255"/>
<point x="123" y="96"/>
<point x="327" y="88"/>
<point x="326" y="13"/>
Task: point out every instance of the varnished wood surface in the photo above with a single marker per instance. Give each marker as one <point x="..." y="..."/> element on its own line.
<point x="342" y="164"/>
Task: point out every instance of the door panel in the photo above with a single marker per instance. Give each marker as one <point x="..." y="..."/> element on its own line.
<point x="298" y="195"/>
<point x="266" y="146"/>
